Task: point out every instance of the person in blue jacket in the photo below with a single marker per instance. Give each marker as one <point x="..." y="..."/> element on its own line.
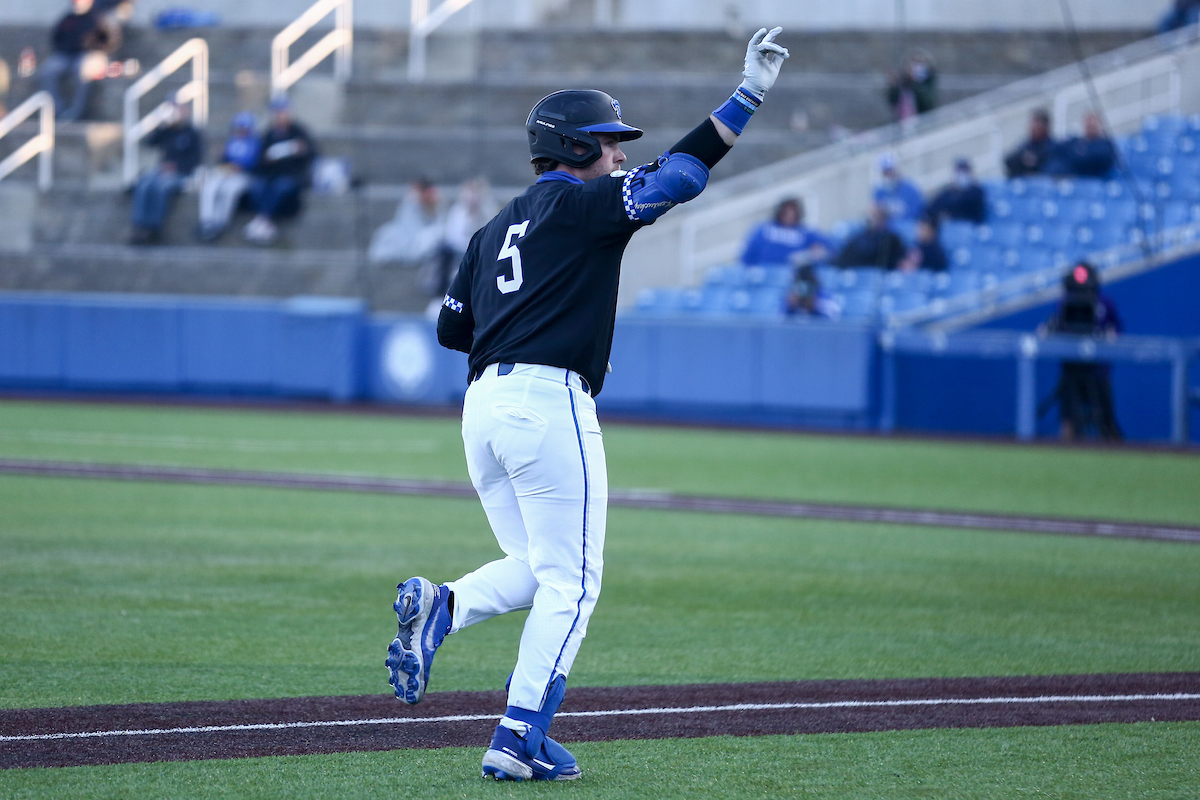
<point x="1089" y="156"/>
<point x="786" y="239"/>
<point x="899" y="196"/>
<point x="229" y="180"/>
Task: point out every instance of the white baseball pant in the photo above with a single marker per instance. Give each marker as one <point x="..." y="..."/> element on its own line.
<point x="535" y="454"/>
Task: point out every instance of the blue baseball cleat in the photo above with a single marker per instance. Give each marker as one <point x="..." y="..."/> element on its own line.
<point x="424" y="617"/>
<point x="532" y="756"/>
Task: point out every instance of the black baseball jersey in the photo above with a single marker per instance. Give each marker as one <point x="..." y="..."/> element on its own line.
<point x="538" y="284"/>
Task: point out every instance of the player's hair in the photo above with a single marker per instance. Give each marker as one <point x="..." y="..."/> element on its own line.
<point x="541" y="165"/>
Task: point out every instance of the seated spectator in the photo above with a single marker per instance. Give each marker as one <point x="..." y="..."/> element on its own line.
<point x="926" y="252"/>
<point x="786" y="239"/>
<point x="1031" y="157"/>
<point x="1089" y="156"/>
<point x="807" y="298"/>
<point x="914" y="90"/>
<point x="1182" y="14"/>
<point x="874" y="246"/>
<point x="899" y="196"/>
<point x="469" y="212"/>
<point x="413" y="236"/>
<point x="182" y="148"/>
<point x="229" y="180"/>
<point x="75" y="35"/>
<point x="962" y="200"/>
<point x="283" y="172"/>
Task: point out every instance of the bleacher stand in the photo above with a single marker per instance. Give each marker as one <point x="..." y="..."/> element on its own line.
<point x="1037" y="227"/>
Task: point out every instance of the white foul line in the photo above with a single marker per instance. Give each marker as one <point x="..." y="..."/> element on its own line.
<point x="949" y="701"/>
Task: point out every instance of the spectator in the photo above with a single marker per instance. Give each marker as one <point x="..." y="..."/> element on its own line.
<point x="1182" y="14"/>
<point x="284" y="170"/>
<point x="470" y="211"/>
<point x="914" y="90"/>
<point x="899" y="196"/>
<point x="807" y="298"/>
<point x="874" y="246"/>
<point x="182" y="148"/>
<point x="413" y="236"/>
<point x="229" y="180"/>
<point x="77" y="33"/>
<point x="1089" y="156"/>
<point x="1032" y="156"/>
<point x="926" y="252"/>
<point x="961" y="200"/>
<point x="786" y="239"/>
<point x="1084" y="392"/>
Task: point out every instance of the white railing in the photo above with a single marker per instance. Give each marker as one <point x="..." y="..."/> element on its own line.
<point x="836" y="181"/>
<point x="339" y="41"/>
<point x="194" y="91"/>
<point x="422" y="22"/>
<point x="41" y="145"/>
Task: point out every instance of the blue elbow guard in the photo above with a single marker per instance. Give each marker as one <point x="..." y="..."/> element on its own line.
<point x="649" y="195"/>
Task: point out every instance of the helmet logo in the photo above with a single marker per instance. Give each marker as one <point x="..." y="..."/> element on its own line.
<point x="617" y="108"/>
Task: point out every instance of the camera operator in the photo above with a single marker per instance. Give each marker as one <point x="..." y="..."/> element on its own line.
<point x="1084" y="391"/>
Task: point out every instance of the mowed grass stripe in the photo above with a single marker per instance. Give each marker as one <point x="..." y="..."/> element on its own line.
<point x="1091" y="483"/>
<point x="617" y="497"/>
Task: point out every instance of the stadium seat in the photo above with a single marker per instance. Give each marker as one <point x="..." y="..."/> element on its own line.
<point x="1003" y="234"/>
<point x="1037" y="186"/>
<point x="858" y="305"/>
<point x="897" y="282"/>
<point x="1073" y="211"/>
<point x="655" y="302"/>
<point x="1049" y="236"/>
<point x="861" y="279"/>
<point x="954" y="233"/>
<point x="725" y="275"/>
<point x="1097" y="237"/>
<point x="1082" y="189"/>
<point x="906" y="229"/>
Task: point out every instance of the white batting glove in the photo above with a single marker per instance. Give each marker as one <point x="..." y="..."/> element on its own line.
<point x="763" y="59"/>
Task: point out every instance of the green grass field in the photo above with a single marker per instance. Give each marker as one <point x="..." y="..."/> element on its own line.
<point x="128" y="592"/>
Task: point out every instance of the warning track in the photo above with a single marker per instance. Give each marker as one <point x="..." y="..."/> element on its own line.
<point x="246" y="728"/>
<point x="665" y="501"/>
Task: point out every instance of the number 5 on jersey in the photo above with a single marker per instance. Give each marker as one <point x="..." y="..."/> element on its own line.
<point x="510" y="285"/>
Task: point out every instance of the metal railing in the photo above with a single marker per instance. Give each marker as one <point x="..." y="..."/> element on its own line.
<point x="338" y="42"/>
<point x="41" y="145"/>
<point x="422" y="22"/>
<point x="194" y="91"/>
<point x="1142" y="78"/>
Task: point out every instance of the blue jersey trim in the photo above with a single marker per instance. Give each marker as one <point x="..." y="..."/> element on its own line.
<point x="586" y="498"/>
<point x="555" y="175"/>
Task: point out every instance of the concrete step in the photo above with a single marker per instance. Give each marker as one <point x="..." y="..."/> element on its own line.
<point x="238" y="272"/>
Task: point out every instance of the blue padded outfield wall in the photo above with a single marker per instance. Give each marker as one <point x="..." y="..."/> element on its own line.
<point x="303" y="348"/>
<point x="788" y="373"/>
<point x="960" y="395"/>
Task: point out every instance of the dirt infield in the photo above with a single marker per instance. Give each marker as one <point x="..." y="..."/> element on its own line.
<point x="243" y="728"/>
<point x="665" y="501"/>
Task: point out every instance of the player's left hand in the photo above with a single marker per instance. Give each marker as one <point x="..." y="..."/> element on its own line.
<point x="763" y="59"/>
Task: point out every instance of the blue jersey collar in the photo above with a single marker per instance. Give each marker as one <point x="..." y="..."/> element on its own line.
<point x="556" y="175"/>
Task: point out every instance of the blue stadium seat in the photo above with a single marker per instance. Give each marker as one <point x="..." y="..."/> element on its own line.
<point x="896" y="282"/>
<point x="1073" y="211"/>
<point x="1003" y="234"/>
<point x="1097" y="237"/>
<point x="955" y="233"/>
<point x="900" y="302"/>
<point x="829" y="276"/>
<point x="1082" y="189"/>
<point x="725" y="275"/>
<point x="764" y="301"/>
<point x="1037" y="186"/>
<point x="1115" y="212"/>
<point x="659" y="301"/>
<point x="1033" y="259"/>
<point x="1017" y="209"/>
<point x="979" y="258"/>
<point x="1164" y="124"/>
<point x="961" y="282"/>
<point x="861" y="279"/>
<point x="858" y="305"/>
<point x="1050" y="236"/>
<point x="1187" y="145"/>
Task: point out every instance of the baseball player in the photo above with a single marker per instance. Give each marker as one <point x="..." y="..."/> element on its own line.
<point x="533" y="304"/>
